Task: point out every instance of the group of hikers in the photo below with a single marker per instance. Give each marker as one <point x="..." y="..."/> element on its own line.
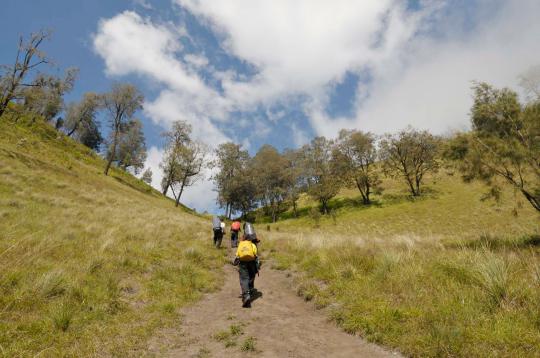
<point x="246" y="257"/>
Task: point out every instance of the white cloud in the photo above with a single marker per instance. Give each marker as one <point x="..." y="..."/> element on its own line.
<point x="420" y="63"/>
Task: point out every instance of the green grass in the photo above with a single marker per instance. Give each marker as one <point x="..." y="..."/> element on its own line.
<point x="89" y="265"/>
<point x="444" y="275"/>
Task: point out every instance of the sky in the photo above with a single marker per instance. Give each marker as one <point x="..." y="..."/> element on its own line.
<point x="284" y="71"/>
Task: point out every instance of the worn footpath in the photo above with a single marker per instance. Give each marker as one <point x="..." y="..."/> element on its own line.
<point x="279" y="324"/>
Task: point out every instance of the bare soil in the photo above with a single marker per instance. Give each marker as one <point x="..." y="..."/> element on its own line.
<point x="279" y="324"/>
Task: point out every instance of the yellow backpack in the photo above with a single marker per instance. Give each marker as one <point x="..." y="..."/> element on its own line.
<point x="245" y="251"/>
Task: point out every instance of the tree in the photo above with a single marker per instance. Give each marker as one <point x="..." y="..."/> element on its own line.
<point x="355" y="155"/>
<point x="504" y="144"/>
<point x="121" y="103"/>
<point x="147" y="176"/>
<point x="188" y="167"/>
<point x="44" y="96"/>
<point x="131" y="148"/>
<point x="85" y="111"/>
<point x="231" y="162"/>
<point x="410" y="154"/>
<point x="176" y="140"/>
<point x="269" y="169"/>
<point x="296" y="178"/>
<point x="322" y="182"/>
<point x="81" y="120"/>
<point x="28" y="58"/>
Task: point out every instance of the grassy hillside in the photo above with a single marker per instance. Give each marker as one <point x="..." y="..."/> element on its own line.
<point x="444" y="275"/>
<point x="89" y="265"/>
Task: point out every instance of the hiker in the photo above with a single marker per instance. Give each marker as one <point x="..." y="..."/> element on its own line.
<point x="248" y="261"/>
<point x="235" y="229"/>
<point x="218" y="228"/>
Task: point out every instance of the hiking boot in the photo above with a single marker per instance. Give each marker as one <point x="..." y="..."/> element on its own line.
<point x="246" y="302"/>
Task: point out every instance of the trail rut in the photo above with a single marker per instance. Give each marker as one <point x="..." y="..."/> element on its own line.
<point x="280" y="323"/>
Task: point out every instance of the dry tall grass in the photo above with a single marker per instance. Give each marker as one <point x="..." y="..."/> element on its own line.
<point x="447" y="275"/>
<point x="89" y="265"/>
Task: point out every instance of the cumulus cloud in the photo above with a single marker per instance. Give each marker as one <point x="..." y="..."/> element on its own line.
<point x="419" y="62"/>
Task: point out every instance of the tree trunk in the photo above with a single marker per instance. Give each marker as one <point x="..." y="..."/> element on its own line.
<point x="295" y="213"/>
<point x="324" y="207"/>
<point x="113" y="151"/>
<point x="181" y="190"/>
<point x="534" y="201"/>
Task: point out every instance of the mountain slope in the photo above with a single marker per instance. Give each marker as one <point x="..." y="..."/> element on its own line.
<point x="89" y="265"/>
<point x="446" y="275"/>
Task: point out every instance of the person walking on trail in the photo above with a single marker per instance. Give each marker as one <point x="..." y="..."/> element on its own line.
<point x="235" y="229"/>
<point x="219" y="229"/>
<point x="248" y="263"/>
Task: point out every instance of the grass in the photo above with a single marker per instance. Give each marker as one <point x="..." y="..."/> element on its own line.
<point x="89" y="265"/>
<point x="229" y="337"/>
<point x="249" y="345"/>
<point x="444" y="275"/>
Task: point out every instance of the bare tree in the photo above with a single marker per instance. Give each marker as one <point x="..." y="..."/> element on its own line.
<point x="410" y="154"/>
<point x="28" y="58"/>
<point x="121" y="103"/>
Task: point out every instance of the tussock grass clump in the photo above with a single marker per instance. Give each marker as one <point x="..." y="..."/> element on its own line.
<point x="427" y="301"/>
<point x="89" y="265"/>
<point x="249" y="345"/>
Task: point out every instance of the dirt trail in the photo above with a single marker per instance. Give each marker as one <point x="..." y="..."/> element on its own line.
<point x="280" y="322"/>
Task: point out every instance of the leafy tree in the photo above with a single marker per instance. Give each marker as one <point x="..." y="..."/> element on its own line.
<point x="231" y="162"/>
<point x="44" y="96"/>
<point x="504" y="145"/>
<point x="322" y="182"/>
<point x="176" y="139"/>
<point x="188" y="168"/>
<point x="81" y="120"/>
<point x="120" y="104"/>
<point x="410" y="154"/>
<point x="28" y="58"/>
<point x="131" y="148"/>
<point x="270" y="175"/>
<point x="183" y="161"/>
<point x="147" y="176"/>
<point x="295" y="176"/>
<point x="355" y="156"/>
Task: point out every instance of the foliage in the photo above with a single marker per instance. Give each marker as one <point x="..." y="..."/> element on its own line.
<point x="29" y="57"/>
<point x="410" y="154"/>
<point x="81" y="122"/>
<point x="131" y="148"/>
<point x="355" y="155"/>
<point x="183" y="161"/>
<point x="322" y="181"/>
<point x="232" y="166"/>
<point x="504" y="146"/>
<point x="271" y="176"/>
<point x="120" y="104"/>
<point x="147" y="176"/>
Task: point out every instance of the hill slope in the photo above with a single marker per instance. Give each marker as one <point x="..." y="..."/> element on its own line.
<point x="444" y="275"/>
<point x="89" y="265"/>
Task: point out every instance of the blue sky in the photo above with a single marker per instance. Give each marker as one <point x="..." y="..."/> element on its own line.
<point x="281" y="72"/>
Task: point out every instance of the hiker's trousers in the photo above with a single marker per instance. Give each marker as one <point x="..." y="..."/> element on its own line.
<point x="247" y="272"/>
<point x="234" y="238"/>
<point x="218" y="236"/>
